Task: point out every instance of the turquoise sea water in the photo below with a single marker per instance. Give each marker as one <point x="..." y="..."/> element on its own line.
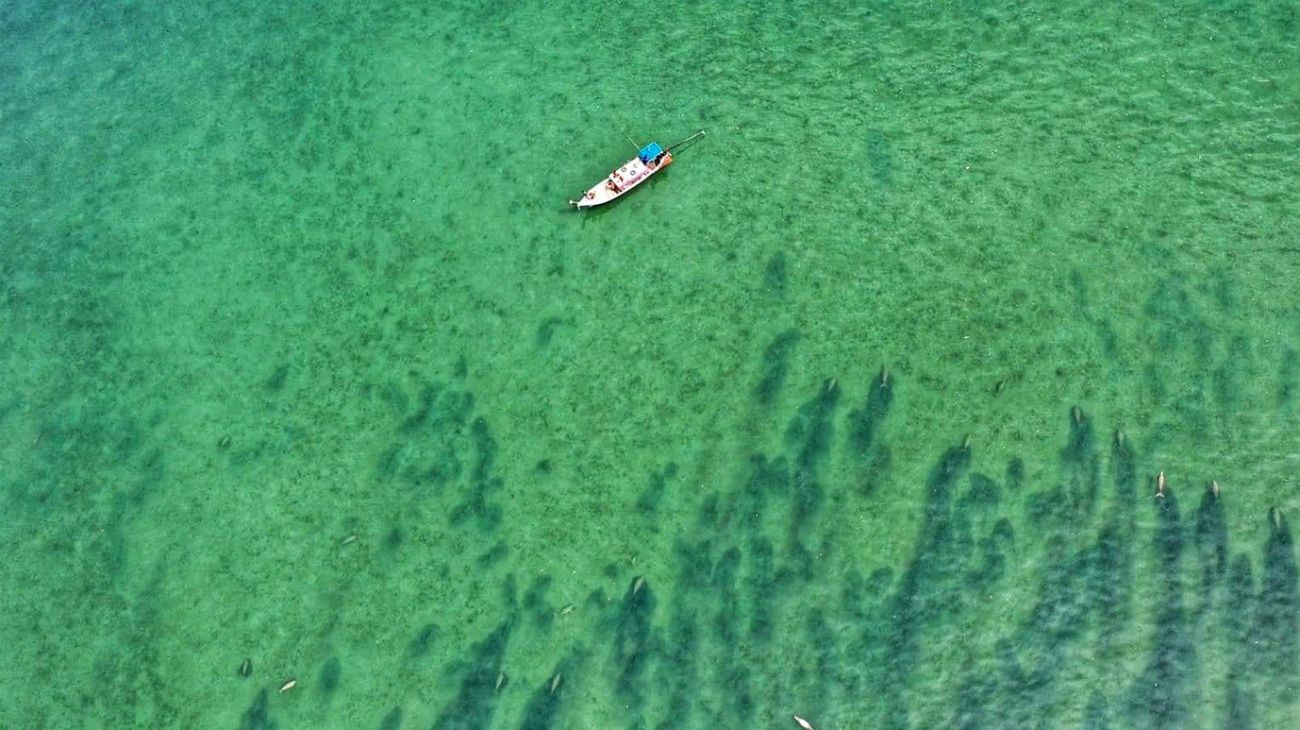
<point x="855" y="413"/>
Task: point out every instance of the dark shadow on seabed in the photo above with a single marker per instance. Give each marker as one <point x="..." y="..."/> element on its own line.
<point x="1086" y="590"/>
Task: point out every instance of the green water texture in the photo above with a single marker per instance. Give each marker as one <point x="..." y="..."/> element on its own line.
<point x="856" y="412"/>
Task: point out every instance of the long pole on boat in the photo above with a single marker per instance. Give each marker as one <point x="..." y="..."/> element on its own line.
<point x="629" y="138"/>
<point x="684" y="141"/>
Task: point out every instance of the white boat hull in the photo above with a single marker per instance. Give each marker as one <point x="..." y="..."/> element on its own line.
<point x="621" y="181"/>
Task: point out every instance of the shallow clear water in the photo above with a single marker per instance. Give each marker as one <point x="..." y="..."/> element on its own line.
<point x="854" y="413"/>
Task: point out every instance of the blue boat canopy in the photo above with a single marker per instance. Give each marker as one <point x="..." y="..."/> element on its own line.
<point x="650" y="151"/>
